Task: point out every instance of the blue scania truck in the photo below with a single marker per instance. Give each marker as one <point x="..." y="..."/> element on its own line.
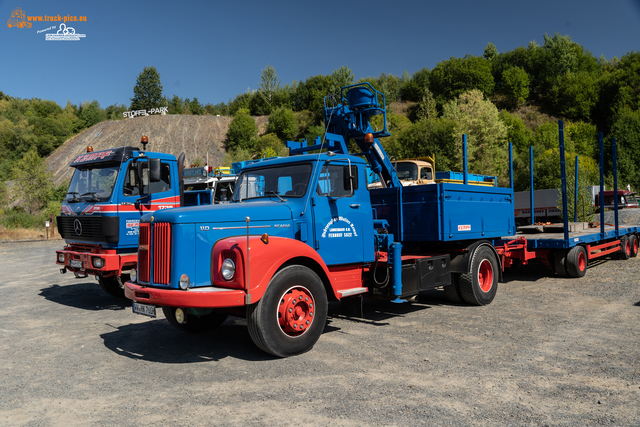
<point x="304" y="230"/>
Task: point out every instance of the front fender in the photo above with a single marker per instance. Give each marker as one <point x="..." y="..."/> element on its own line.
<point x="264" y="260"/>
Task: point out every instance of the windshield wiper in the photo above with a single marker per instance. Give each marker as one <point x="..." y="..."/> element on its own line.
<point x="277" y="195"/>
<point x="93" y="194"/>
<point x="75" y="196"/>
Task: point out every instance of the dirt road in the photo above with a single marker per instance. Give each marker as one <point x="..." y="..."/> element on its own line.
<point x="548" y="351"/>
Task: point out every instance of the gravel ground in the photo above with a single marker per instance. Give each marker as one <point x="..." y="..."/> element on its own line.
<point x="547" y="351"/>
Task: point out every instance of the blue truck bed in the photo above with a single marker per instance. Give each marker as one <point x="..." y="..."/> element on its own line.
<point x="446" y="212"/>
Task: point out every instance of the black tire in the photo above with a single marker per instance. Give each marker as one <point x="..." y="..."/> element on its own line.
<point x="577" y="261"/>
<point x="112" y="285"/>
<point x="479" y="287"/>
<point x="282" y="327"/>
<point x="625" y="248"/>
<point x="560" y="260"/>
<point x="452" y="291"/>
<point x="633" y="243"/>
<point x="195" y="324"/>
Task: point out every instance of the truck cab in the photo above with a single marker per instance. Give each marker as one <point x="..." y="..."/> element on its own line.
<point x="626" y="200"/>
<point x="206" y="185"/>
<point x="109" y="191"/>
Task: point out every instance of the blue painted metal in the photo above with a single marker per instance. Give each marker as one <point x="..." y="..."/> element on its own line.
<point x="533" y="221"/>
<point x="563" y="172"/>
<point x="396" y="265"/>
<point x="615" y="184"/>
<point x="575" y="196"/>
<point x="464" y="159"/>
<point x="601" y="152"/>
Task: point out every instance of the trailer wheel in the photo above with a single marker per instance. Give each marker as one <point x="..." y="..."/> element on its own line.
<point x="479" y="287"/>
<point x="292" y="314"/>
<point x="195" y="324"/>
<point x="113" y="285"/>
<point x="576" y="262"/>
<point x="625" y="248"/>
<point x="560" y="259"/>
<point x="452" y="291"/>
<point x="633" y="243"/>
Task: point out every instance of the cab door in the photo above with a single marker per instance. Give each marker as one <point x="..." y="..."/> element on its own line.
<point x="338" y="214"/>
<point x="156" y="195"/>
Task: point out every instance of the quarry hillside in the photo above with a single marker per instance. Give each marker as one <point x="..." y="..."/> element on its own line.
<point x="196" y="136"/>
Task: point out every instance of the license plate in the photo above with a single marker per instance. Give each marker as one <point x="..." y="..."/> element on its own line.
<point x="76" y="263"/>
<point x="144" y="309"/>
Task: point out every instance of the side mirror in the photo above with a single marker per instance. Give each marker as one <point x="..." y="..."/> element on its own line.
<point x="142" y="189"/>
<point x="154" y="170"/>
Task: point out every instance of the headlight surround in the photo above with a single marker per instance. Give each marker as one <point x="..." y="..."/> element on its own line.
<point x="133" y="275"/>
<point x="228" y="269"/>
<point x="60" y="257"/>
<point x="97" y="262"/>
<point x="184" y="282"/>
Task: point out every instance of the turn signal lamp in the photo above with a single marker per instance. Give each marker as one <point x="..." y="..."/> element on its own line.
<point x="89" y="149"/>
<point x="133" y="275"/>
<point x="265" y="238"/>
<point x="368" y="138"/>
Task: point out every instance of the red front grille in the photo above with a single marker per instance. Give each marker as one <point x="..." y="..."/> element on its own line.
<point x="144" y="240"/>
<point x="161" y="252"/>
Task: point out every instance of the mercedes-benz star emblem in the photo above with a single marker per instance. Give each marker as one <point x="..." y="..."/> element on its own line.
<point x="77" y="227"/>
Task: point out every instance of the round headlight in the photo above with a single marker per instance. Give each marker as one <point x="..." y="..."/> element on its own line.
<point x="60" y="257"/>
<point x="184" y="281"/>
<point x="228" y="269"/>
<point x="133" y="275"/>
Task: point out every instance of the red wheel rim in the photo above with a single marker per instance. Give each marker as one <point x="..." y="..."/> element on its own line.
<point x="627" y="247"/>
<point x="295" y="312"/>
<point x="582" y="261"/>
<point x="485" y="275"/>
<point x="635" y="246"/>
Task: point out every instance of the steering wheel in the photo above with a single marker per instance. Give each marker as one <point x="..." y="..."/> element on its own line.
<point x="299" y="189"/>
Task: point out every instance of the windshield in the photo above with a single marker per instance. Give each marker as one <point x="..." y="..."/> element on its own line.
<point x="92" y="182"/>
<point x="407" y="171"/>
<point x="288" y="181"/>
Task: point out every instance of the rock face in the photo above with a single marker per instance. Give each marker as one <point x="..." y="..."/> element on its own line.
<point x="196" y="136"/>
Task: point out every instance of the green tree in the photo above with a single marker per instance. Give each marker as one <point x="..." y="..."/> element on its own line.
<point x="310" y="95"/>
<point x="574" y="95"/>
<point x="490" y="52"/>
<point x="626" y="130"/>
<point x="340" y="78"/>
<point x="450" y="79"/>
<point x="147" y="93"/>
<point x="282" y="122"/>
<point x="90" y="113"/>
<point x="486" y="134"/>
<point x="515" y="86"/>
<point x="270" y="145"/>
<point x="33" y="184"/>
<point x="426" y="108"/>
<point x="269" y="87"/>
<point x="196" y="108"/>
<point x="413" y="90"/>
<point x="242" y="133"/>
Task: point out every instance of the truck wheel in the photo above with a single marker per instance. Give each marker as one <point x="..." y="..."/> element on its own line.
<point x="194" y="324"/>
<point x="633" y="243"/>
<point x="292" y="314"/>
<point x="576" y="262"/>
<point x="625" y="248"/>
<point x="452" y="291"/>
<point x="112" y="285"/>
<point x="560" y="259"/>
<point x="479" y="287"/>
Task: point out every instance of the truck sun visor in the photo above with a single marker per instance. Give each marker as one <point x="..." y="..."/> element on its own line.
<point x="111" y="155"/>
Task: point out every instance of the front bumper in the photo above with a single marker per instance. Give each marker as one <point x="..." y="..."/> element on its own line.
<point x="204" y="297"/>
<point x="83" y="262"/>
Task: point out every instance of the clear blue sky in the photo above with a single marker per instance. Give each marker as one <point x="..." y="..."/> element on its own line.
<point x="214" y="50"/>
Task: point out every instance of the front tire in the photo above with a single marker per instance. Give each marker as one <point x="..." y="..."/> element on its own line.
<point x="291" y="315"/>
<point x="194" y="324"/>
<point x="479" y="287"/>
<point x="112" y="285"/>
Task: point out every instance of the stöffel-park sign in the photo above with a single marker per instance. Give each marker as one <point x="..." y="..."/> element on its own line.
<point x="147" y="112"/>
